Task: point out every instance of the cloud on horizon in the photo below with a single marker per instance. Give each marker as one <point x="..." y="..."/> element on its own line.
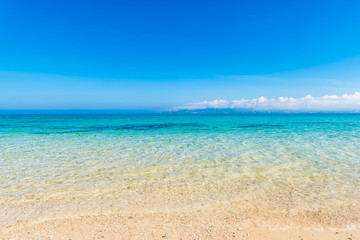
<point x="327" y="103"/>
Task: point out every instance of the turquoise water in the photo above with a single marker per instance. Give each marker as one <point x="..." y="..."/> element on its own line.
<point x="283" y="167"/>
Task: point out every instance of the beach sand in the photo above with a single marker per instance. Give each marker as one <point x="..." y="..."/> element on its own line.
<point x="154" y="225"/>
<point x="169" y="212"/>
<point x="159" y="214"/>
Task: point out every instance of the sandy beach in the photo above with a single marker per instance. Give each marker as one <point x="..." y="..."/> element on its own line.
<point x="137" y="225"/>
<point x="160" y="214"/>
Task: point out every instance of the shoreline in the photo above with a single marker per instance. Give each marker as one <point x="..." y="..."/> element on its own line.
<point x="156" y="225"/>
<point x="157" y="213"/>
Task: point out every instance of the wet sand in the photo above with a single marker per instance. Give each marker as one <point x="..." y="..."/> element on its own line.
<point x="157" y="213"/>
<point x="169" y="212"/>
<point x="155" y="225"/>
<point x="198" y="221"/>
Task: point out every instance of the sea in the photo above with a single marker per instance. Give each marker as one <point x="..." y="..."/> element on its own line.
<point x="278" y="170"/>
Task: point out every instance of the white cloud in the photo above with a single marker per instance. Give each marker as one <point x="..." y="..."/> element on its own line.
<point x="327" y="103"/>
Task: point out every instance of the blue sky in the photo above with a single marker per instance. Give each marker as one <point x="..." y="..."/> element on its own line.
<point x="161" y="54"/>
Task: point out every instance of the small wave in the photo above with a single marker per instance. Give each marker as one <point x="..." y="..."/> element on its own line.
<point x="267" y="126"/>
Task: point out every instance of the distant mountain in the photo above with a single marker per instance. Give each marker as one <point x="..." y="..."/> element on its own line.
<point x="214" y="111"/>
<point x="242" y="111"/>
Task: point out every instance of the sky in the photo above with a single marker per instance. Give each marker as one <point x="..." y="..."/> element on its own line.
<point x="161" y="55"/>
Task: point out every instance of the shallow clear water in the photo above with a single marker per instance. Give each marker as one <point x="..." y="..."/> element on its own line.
<point x="303" y="169"/>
